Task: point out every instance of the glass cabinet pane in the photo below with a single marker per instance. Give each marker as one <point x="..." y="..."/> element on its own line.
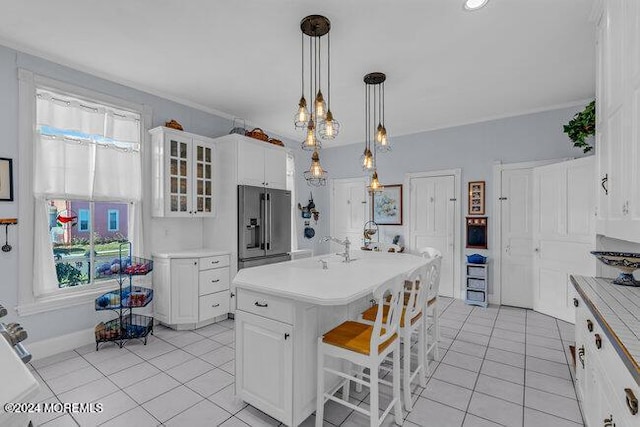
<point x="174" y="203"/>
<point x="183" y="150"/>
<point x="207" y="188"/>
<point x="207" y="171"/>
<point x="183" y="203"/>
<point x="174" y="185"/>
<point x="207" y="204"/>
<point x="199" y="153"/>
<point x="183" y="168"/>
<point x="174" y="148"/>
<point x="207" y="155"/>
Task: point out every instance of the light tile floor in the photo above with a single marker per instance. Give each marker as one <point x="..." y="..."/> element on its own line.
<point x="498" y="366"/>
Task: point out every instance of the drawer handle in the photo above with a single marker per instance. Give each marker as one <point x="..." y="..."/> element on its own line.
<point x="590" y="325"/>
<point x="598" y="341"/>
<point x="608" y="422"/>
<point x="581" y="356"/>
<point x="233" y="294"/>
<point x="575" y="302"/>
<point x="215" y="281"/>
<point x="215" y="305"/>
<point x="632" y="401"/>
<point x="286" y="336"/>
<point x="214" y="262"/>
<point x="257" y="304"/>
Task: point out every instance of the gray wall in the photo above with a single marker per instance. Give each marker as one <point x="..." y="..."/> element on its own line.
<point x="160" y="234"/>
<point x="474" y="148"/>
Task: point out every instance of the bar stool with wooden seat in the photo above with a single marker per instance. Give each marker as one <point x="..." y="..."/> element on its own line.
<point x="367" y="346"/>
<point x="412" y="322"/>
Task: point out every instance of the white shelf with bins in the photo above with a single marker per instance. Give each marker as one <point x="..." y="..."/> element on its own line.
<point x="476" y="288"/>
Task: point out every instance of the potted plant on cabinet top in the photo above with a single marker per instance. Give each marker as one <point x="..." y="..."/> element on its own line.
<point x="582" y="126"/>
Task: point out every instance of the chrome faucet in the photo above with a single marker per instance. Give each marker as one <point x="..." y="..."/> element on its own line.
<point x="346" y="243"/>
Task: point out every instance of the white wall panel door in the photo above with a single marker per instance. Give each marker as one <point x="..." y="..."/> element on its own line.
<point x="563" y="233"/>
<point x="516" y="233"/>
<point x="432" y="219"/>
<point x="349" y="209"/>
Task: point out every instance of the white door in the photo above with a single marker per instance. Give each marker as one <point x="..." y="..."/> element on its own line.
<point x="563" y="233"/>
<point x="349" y="209"/>
<point x="264" y="356"/>
<point x="184" y="290"/>
<point x="516" y="237"/>
<point x="432" y="222"/>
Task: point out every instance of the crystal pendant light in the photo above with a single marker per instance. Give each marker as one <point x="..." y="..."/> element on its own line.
<point x="316" y="175"/>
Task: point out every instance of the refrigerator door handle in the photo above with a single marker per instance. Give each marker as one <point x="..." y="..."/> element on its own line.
<point x="263" y="211"/>
<point x="270" y="222"/>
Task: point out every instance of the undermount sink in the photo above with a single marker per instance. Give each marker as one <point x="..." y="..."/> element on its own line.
<point x="316" y="263"/>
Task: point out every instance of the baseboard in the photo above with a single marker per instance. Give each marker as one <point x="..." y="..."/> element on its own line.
<point x="60" y="344"/>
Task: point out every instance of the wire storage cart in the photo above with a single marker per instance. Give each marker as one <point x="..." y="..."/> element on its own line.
<point x="128" y="325"/>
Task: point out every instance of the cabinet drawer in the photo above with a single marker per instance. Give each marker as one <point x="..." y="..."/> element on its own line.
<point x="213" y="305"/>
<point x="214" y="262"/>
<point x="473" y="283"/>
<point x="265" y="305"/>
<point x="214" y="280"/>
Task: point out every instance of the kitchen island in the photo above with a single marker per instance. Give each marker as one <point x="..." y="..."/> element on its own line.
<point x="283" y="308"/>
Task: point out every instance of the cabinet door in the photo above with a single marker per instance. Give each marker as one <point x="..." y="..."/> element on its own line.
<point x="250" y="164"/>
<point x="202" y="178"/>
<point x="184" y="290"/>
<point x="275" y="168"/>
<point x="264" y="364"/>
<point x="179" y="175"/>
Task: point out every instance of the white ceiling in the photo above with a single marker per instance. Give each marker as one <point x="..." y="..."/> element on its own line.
<point x="444" y="66"/>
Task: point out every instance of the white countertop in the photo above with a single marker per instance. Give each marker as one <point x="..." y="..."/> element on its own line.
<point x="18" y="383"/>
<point x="304" y="280"/>
<point x="617" y="309"/>
<point x="190" y="253"/>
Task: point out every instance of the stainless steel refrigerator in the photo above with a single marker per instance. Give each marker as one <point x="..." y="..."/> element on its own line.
<point x="264" y="226"/>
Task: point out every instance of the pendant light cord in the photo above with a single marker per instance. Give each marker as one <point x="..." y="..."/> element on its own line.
<point x="328" y="72"/>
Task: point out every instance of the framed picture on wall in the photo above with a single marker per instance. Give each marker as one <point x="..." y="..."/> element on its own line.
<point x="476" y="197"/>
<point x="387" y="205"/>
<point x="6" y="180"/>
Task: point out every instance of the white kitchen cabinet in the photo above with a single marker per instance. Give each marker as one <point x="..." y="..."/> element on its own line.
<point x="261" y="164"/>
<point x="264" y="356"/>
<point x="607" y="380"/>
<point x="191" y="288"/>
<point x="618" y="118"/>
<point x="182" y="174"/>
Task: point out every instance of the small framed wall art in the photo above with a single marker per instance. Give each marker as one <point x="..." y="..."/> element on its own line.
<point x="476" y="197"/>
<point x="387" y="205"/>
<point x="6" y="180"/>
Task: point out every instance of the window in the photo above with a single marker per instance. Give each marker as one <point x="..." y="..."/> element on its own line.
<point x="113" y="219"/>
<point x="83" y="219"/>
<point x="87" y="180"/>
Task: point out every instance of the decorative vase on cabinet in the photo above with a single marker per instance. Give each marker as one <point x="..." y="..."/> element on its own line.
<point x="182" y="171"/>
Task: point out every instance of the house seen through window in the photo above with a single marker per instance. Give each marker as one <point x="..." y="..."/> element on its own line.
<point x="87" y="179"/>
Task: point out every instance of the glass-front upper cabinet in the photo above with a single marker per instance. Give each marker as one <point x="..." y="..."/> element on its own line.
<point x="182" y="172"/>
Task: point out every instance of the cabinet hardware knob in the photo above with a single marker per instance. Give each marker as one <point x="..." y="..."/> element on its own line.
<point x="575" y="302"/>
<point x="581" y="356"/>
<point x="590" y="325"/>
<point x="632" y="401"/>
<point x="598" y="341"/>
<point x="215" y="305"/>
<point x="608" y="422"/>
<point x="215" y="281"/>
<point x="214" y="262"/>
<point x="286" y="336"/>
<point x="195" y="263"/>
<point x="257" y="304"/>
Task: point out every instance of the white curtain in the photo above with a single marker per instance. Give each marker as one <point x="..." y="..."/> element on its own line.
<point x="291" y="186"/>
<point x="83" y="151"/>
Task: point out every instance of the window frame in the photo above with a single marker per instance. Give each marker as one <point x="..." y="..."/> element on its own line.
<point x="80" y="228"/>
<point x="28" y="82"/>
<point x="117" y="220"/>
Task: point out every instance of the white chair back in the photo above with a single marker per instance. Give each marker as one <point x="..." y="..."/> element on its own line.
<point x="384" y="329"/>
<point x="433" y="276"/>
<point x="417" y="284"/>
<point x="429" y="252"/>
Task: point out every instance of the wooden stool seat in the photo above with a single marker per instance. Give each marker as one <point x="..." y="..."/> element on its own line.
<point x="370" y="314"/>
<point x="355" y="336"/>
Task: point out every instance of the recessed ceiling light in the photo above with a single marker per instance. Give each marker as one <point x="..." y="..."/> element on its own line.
<point x="475" y="4"/>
